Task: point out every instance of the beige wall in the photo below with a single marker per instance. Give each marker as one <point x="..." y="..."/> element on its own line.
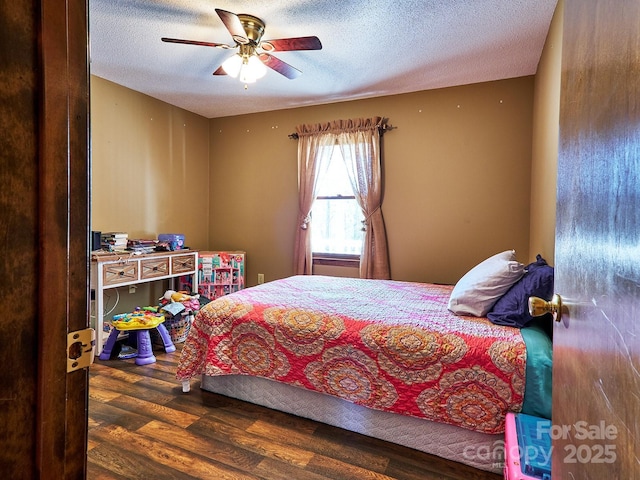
<point x="150" y="166"/>
<point x="545" y="142"/>
<point x="457" y="179"/>
<point x="457" y="175"/>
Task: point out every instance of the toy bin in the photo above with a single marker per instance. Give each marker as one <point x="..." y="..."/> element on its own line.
<point x="178" y="327"/>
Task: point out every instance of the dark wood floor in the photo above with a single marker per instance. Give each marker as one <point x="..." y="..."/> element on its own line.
<point x="141" y="426"/>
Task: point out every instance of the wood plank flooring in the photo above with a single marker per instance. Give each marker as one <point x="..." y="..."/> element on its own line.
<point x="141" y="426"/>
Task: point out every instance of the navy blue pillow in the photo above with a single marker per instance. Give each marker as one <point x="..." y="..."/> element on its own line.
<point x="512" y="308"/>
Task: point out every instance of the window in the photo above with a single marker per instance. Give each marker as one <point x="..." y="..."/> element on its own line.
<point x="337" y="218"/>
<point x="328" y="236"/>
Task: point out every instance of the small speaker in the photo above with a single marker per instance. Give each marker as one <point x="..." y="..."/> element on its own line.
<point x="95" y="240"/>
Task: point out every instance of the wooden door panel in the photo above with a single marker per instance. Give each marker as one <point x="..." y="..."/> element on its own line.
<point x="596" y="386"/>
<point x="63" y="216"/>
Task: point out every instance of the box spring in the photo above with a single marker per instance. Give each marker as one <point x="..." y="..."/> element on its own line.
<point x="479" y="450"/>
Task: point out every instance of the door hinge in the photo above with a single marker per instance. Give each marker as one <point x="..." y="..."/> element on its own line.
<point x="81" y="346"/>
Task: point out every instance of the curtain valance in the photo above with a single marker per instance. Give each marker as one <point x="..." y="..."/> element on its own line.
<point x="342" y="126"/>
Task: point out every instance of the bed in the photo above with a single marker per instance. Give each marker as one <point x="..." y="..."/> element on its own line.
<point x="379" y="357"/>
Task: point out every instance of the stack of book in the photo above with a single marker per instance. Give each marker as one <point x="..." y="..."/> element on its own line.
<point x="112" y="241"/>
<point x="142" y="246"/>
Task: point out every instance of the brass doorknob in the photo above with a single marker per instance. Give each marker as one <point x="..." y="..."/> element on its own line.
<point x="539" y="306"/>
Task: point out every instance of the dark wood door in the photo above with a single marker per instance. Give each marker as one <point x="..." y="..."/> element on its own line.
<point x="596" y="385"/>
<point x="45" y="216"/>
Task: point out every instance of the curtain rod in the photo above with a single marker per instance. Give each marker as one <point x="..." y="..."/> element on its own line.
<point x="381" y="128"/>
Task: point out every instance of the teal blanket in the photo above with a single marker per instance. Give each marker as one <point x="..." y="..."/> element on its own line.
<point x="537" y="394"/>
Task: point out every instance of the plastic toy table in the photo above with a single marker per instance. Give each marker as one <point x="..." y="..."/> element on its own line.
<point x="145" y="354"/>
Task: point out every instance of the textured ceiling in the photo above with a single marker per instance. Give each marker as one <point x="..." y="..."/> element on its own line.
<point x="370" y="48"/>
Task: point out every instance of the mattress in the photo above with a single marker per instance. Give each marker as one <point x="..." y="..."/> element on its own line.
<point x="383" y="344"/>
<point x="450" y="395"/>
<point x="479" y="450"/>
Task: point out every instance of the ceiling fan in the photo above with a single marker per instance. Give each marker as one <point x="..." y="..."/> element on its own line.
<point x="254" y="53"/>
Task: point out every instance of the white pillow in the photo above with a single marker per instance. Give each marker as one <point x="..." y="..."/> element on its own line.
<point x="482" y="286"/>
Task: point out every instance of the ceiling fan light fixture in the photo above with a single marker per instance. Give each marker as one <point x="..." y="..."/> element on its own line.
<point x="252" y="69"/>
<point x="232" y="65"/>
<point x="245" y="65"/>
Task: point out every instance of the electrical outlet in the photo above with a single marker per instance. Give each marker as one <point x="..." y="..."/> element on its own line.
<point x="260" y="278"/>
<point x="132" y="289"/>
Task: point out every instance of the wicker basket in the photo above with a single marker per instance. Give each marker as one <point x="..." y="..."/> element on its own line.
<point x="178" y="327"/>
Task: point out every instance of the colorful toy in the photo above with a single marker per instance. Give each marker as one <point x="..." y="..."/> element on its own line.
<point x="138" y="323"/>
<point x="190" y="302"/>
<point x="141" y="318"/>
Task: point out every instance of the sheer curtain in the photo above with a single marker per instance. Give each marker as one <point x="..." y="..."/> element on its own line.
<point x="315" y="146"/>
<point x="359" y="141"/>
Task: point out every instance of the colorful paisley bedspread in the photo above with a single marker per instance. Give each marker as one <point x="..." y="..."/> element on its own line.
<point x="387" y="345"/>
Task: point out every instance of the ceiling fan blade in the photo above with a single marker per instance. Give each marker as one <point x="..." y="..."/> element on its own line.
<point x="220" y="71"/>
<point x="280" y="66"/>
<point x="234" y="25"/>
<point x="288" y="44"/>
<point x="196" y="42"/>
